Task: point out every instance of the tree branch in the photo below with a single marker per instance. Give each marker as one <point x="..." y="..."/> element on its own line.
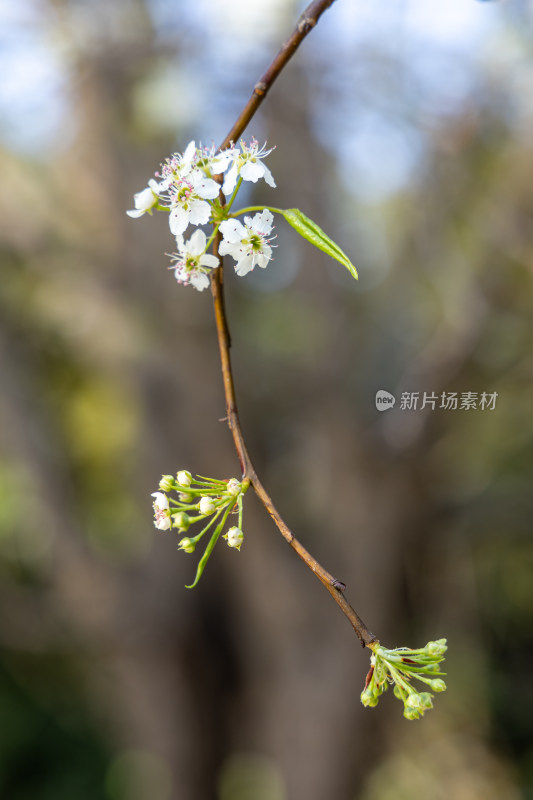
<point x="335" y="587"/>
<point x="305" y="25"/>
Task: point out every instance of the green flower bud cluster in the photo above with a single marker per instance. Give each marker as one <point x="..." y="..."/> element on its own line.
<point x="398" y="668"/>
<point x="200" y="499"/>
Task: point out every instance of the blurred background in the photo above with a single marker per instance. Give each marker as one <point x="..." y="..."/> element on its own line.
<point x="404" y="129"/>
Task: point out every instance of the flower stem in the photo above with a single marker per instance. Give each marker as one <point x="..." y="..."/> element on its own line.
<point x="255" y="208"/>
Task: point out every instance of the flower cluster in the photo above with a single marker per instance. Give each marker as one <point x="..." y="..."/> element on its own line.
<point x="187" y="189"/>
<point x="399" y="667"/>
<point x="200" y="499"/>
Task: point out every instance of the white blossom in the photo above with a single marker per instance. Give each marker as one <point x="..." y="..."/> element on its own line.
<point x="188" y="198"/>
<point x="248" y="243"/>
<point x="161" y="511"/>
<point x="248" y="165"/>
<point x="178" y="166"/>
<point x="146" y="199"/>
<point x="213" y="163"/>
<point x="192" y="264"/>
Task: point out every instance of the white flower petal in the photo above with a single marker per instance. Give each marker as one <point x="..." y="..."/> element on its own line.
<point x="144" y="199"/>
<point x="262" y="222"/>
<point x="221" y="162"/>
<point x="199" y="280"/>
<point x="267" y="175"/>
<point x="209" y="261"/>
<point x="196" y="244"/>
<point x="252" y="171"/>
<point x="233" y="230"/>
<point x="245" y="265"/>
<point x="135" y="213"/>
<point x="263" y="258"/>
<point x="199" y="212"/>
<point x="204" y="187"/>
<point x="188" y="155"/>
<point x="178" y="220"/>
<point x="235" y="250"/>
<point x="231" y="179"/>
<point x="161" y="500"/>
<point x="154" y="186"/>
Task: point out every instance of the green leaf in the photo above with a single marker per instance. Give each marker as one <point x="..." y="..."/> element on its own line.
<point x="208" y="550"/>
<point x="211" y="546"/>
<point x="314" y="234"/>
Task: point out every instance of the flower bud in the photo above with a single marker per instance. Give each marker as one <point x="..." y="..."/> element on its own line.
<point x="206" y="505"/>
<point x="369" y="698"/>
<point x="184" y="478"/>
<point x="437" y="648"/>
<point x="438" y="685"/>
<point x="234" y="486"/>
<point x="235" y="537"/>
<point x="181" y="520"/>
<point x="398" y="692"/>
<point x="187" y="544"/>
<point x="166" y="483"/>
<point x="425" y="701"/>
<point x="414" y="701"/>
<point x="186" y="497"/>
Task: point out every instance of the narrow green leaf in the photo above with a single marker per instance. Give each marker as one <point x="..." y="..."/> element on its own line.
<point x="208" y="550"/>
<point x="210" y="547"/>
<point x="314" y="234"/>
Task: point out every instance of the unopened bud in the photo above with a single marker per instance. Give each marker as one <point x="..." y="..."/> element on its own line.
<point x="234" y="486"/>
<point x="369" y="698"/>
<point x="235" y="538"/>
<point x="398" y="692"/>
<point x="187" y="544"/>
<point x="181" y="520"/>
<point x="184" y="478"/>
<point x="437" y="648"/>
<point x="186" y="497"/>
<point x="206" y="505"/>
<point x="414" y="701"/>
<point x="438" y="685"/>
<point x="166" y="483"/>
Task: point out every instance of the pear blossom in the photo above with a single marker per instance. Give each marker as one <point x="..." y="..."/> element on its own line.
<point x="204" y="159"/>
<point x="248" y="165"/>
<point x="161" y="511"/>
<point x="248" y="243"/>
<point x="146" y="199"/>
<point x="188" y="198"/>
<point x="191" y="265"/>
<point x="178" y="166"/>
<point x="213" y="163"/>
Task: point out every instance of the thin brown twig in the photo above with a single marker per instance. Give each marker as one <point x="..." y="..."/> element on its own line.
<point x="306" y="23"/>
